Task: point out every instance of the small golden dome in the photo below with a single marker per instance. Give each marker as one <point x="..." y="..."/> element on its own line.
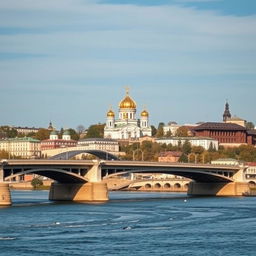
<point x="144" y="113"/>
<point x="127" y="102"/>
<point x="110" y="113"/>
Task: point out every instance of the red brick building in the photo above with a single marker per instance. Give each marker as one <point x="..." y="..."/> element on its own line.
<point x="226" y="133"/>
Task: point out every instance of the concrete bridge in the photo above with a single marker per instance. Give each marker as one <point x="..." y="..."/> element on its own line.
<point x="83" y="180"/>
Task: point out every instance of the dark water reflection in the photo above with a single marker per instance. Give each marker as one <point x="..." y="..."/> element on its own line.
<point x="129" y="224"/>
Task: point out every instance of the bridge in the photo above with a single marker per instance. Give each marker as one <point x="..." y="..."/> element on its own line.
<point x="83" y="180"/>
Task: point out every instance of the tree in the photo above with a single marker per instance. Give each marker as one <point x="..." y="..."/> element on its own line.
<point x="182" y="132"/>
<point x="154" y="130"/>
<point x="4" y="154"/>
<point x="8" y="131"/>
<point x="80" y="129"/>
<point x="183" y="158"/>
<point x="211" y="148"/>
<point x="186" y="147"/>
<point x="36" y="183"/>
<point x="250" y="125"/>
<point x="42" y="134"/>
<point x="95" y="131"/>
<point x="74" y="135"/>
<point x="160" y="130"/>
<point x="168" y="134"/>
<point x="197" y="149"/>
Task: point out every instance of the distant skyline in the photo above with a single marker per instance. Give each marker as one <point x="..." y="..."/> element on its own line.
<point x="68" y="61"/>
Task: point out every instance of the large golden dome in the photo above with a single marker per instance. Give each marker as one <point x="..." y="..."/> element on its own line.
<point x="127" y="102"/>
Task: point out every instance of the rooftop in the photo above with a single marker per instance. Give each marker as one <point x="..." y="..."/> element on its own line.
<point x="219" y="126"/>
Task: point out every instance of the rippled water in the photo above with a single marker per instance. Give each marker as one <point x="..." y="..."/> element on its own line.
<point x="131" y="223"/>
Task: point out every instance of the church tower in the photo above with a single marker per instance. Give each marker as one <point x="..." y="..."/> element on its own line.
<point x="110" y="119"/>
<point x="226" y="114"/>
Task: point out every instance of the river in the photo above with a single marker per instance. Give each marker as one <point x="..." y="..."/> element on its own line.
<point x="131" y="223"/>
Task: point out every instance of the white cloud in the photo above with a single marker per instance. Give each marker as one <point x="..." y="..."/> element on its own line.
<point x="72" y="45"/>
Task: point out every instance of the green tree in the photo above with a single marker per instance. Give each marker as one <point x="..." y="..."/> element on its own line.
<point x="183" y="158"/>
<point x="250" y="125"/>
<point x="160" y="130"/>
<point x="168" y="134"/>
<point x="36" y="183"/>
<point x="95" y="131"/>
<point x="154" y="130"/>
<point x="182" y="132"/>
<point x="42" y="134"/>
<point x="211" y="148"/>
<point x="74" y="135"/>
<point x="8" y="131"/>
<point x="186" y="147"/>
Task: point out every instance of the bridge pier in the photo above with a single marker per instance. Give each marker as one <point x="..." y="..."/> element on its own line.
<point x="87" y="192"/>
<point x="5" y="194"/>
<point x="218" y="189"/>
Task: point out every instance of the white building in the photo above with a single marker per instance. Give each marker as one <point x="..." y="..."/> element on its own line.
<point x="126" y="126"/>
<point x="206" y="143"/>
<point x="171" y="127"/>
<point x="108" y="145"/>
<point x="226" y="161"/>
<point x="22" y="147"/>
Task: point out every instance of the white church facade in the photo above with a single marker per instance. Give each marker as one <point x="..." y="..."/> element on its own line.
<point x="126" y="126"/>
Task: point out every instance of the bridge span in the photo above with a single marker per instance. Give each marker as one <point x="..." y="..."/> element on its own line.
<point x="83" y="180"/>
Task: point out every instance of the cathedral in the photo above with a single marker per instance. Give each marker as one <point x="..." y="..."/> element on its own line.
<point x="126" y="126"/>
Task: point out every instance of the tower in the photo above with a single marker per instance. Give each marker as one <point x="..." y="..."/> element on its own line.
<point x="110" y="119"/>
<point x="226" y="114"/>
<point x="53" y="135"/>
<point x="66" y="135"/>
<point x="144" y="119"/>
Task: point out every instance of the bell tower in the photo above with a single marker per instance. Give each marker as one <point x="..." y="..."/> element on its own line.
<point x="226" y="114"/>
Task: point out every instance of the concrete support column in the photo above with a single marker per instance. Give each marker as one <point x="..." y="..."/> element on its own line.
<point x="94" y="174"/>
<point x="218" y="189"/>
<point x="5" y="194"/>
<point x="87" y="192"/>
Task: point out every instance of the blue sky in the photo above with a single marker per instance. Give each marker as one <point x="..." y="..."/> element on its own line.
<point x="68" y="61"/>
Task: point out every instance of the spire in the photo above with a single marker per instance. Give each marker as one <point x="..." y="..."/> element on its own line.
<point x="226" y="114"/>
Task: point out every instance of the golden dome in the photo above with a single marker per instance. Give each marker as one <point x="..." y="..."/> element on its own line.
<point x="127" y="102"/>
<point x="144" y="113"/>
<point x="110" y="113"/>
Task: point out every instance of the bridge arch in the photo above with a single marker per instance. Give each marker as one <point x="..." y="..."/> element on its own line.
<point x="157" y="185"/>
<point x="59" y="175"/>
<point x="167" y="185"/>
<point x="98" y="153"/>
<point x="148" y="186"/>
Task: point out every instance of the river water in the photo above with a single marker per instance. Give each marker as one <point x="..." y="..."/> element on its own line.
<point x="131" y="223"/>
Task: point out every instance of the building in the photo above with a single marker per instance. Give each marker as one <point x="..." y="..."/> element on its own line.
<point x="226" y="161"/>
<point x="54" y="141"/>
<point x="169" y="156"/>
<point x="171" y="128"/>
<point x="227" y="134"/>
<point x="126" y="126"/>
<point x="106" y="144"/>
<point x="24" y="147"/>
<point x="204" y="142"/>
<point x="26" y="130"/>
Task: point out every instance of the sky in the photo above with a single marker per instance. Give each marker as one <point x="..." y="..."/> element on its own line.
<point x="69" y="61"/>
